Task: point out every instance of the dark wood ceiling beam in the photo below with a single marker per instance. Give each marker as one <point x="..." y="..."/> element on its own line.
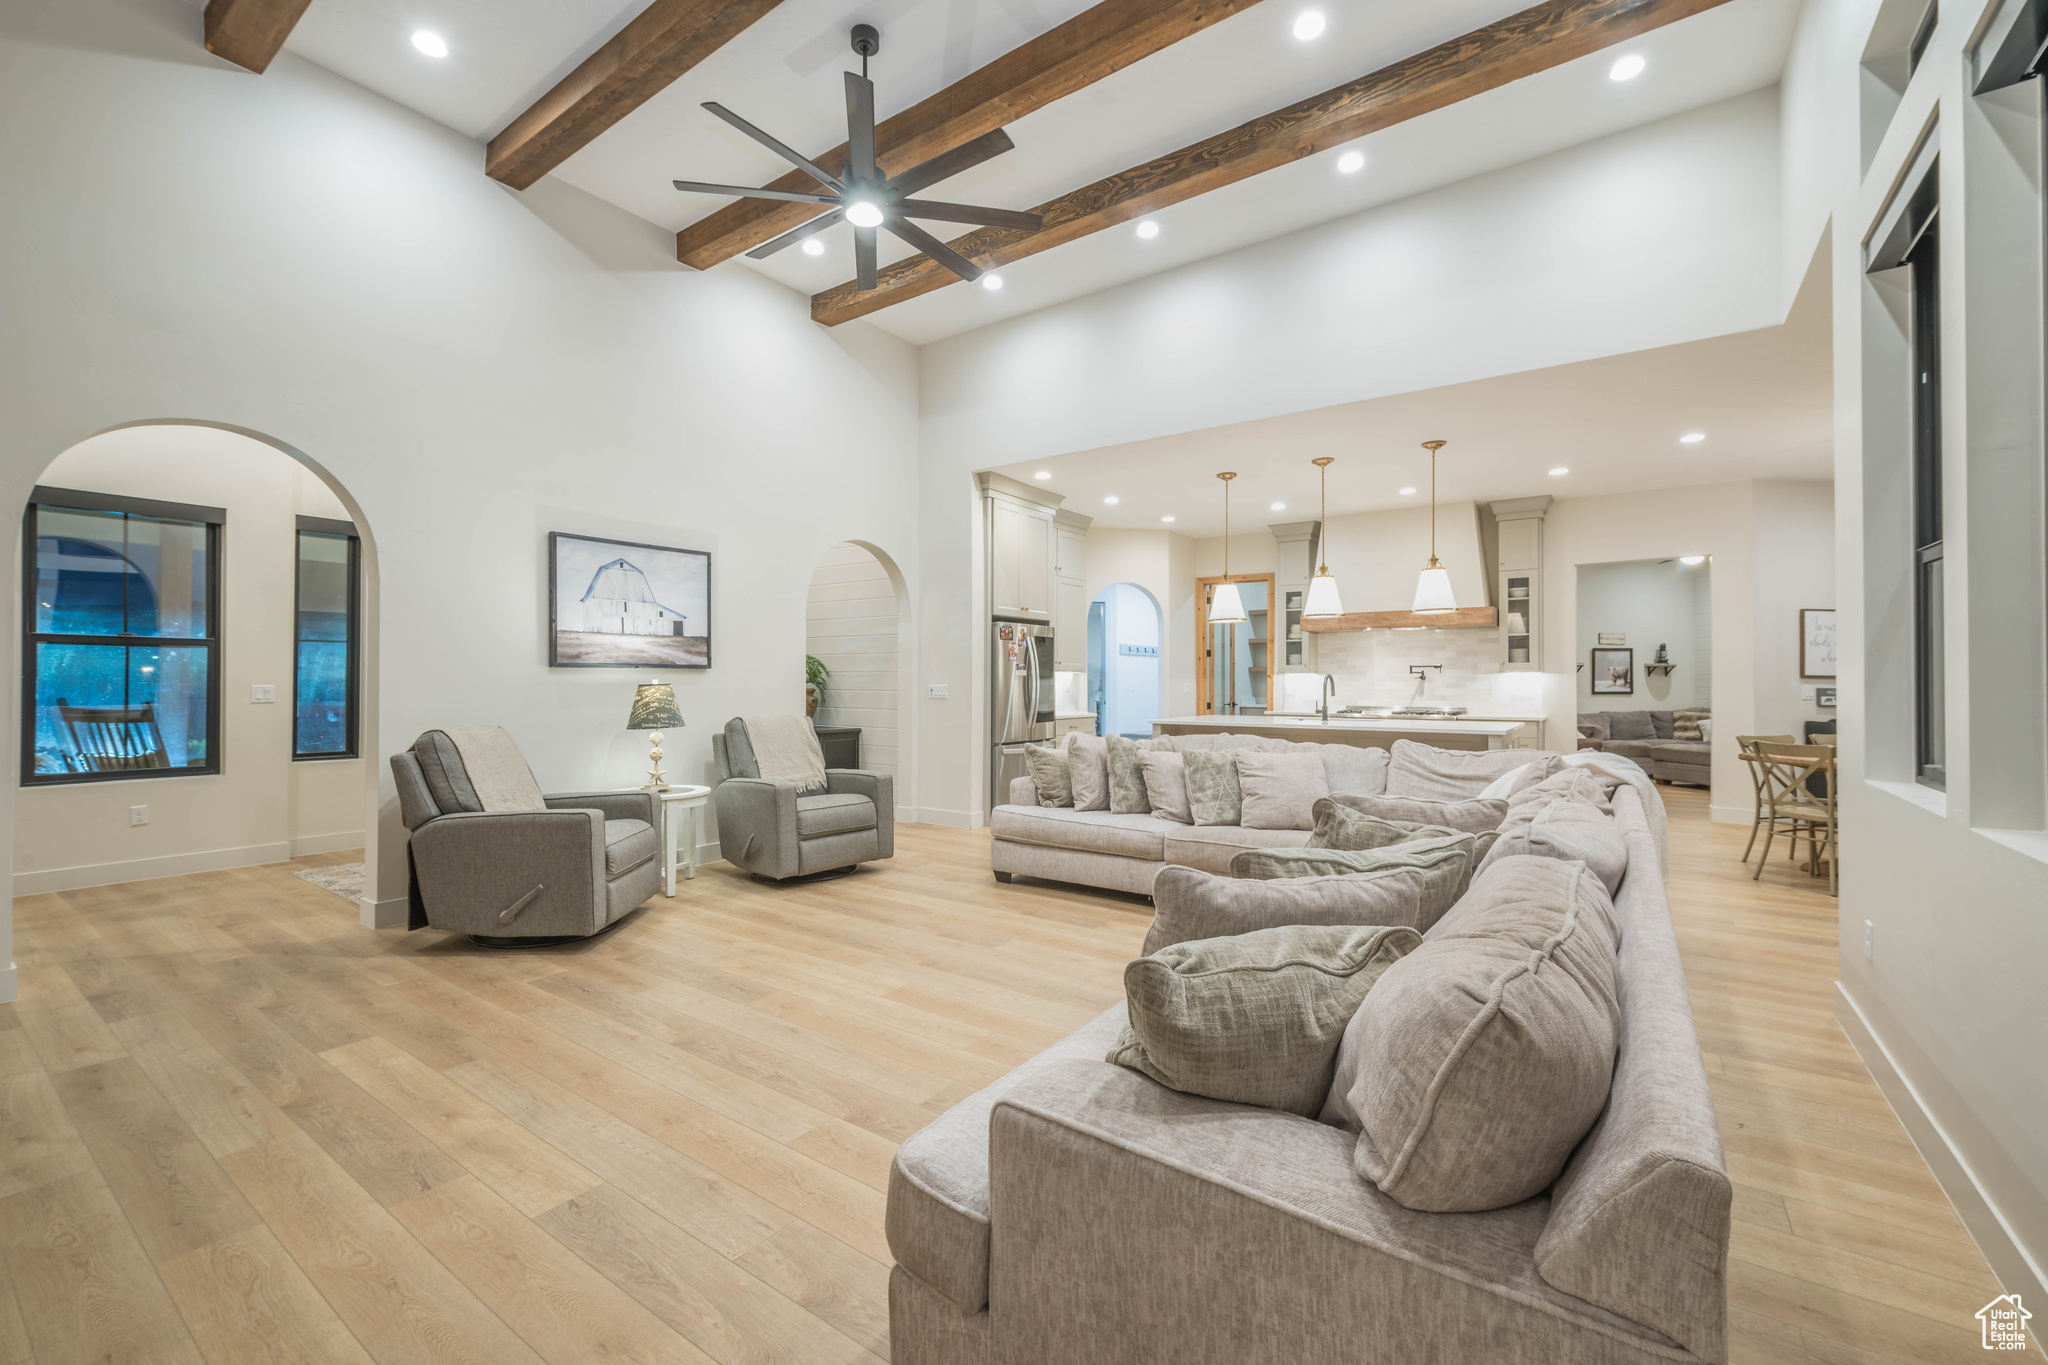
<point x="1074" y="55"/>
<point x="250" y="32"/>
<point x="661" y="43"/>
<point x="1523" y="44"/>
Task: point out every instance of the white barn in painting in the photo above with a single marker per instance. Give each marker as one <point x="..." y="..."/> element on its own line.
<point x="620" y="601"/>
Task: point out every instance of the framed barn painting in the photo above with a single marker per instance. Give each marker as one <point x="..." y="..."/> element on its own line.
<point x="1614" y="672"/>
<point x="619" y="604"/>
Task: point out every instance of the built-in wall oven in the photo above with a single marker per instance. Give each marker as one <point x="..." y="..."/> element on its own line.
<point x="1020" y="699"/>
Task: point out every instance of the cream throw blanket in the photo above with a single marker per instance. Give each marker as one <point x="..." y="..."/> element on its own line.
<point x="786" y="750"/>
<point x="503" y="782"/>
<point x="1653" y="804"/>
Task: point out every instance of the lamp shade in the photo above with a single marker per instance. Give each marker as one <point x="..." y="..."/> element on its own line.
<point x="1322" y="597"/>
<point x="1433" y="592"/>
<point x="654" y="708"/>
<point x="1226" y="607"/>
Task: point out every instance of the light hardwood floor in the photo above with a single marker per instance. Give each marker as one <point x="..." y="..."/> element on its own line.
<point x="234" y="1127"/>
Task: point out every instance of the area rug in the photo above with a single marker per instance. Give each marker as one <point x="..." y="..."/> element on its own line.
<point x="343" y="879"/>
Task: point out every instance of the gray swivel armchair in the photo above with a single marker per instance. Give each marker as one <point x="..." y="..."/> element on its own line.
<point x="770" y="831"/>
<point x="552" y="870"/>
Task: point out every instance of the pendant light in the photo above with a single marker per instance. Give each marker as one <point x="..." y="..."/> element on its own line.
<point x="1226" y="607"/>
<point x="1433" y="594"/>
<point x="1322" y="589"/>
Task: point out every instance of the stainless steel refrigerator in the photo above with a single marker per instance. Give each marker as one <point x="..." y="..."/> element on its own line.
<point x="1020" y="699"/>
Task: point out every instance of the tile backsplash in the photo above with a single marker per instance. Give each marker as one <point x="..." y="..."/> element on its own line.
<point x="1371" y="669"/>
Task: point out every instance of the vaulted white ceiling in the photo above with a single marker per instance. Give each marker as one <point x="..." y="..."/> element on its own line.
<point x="783" y="74"/>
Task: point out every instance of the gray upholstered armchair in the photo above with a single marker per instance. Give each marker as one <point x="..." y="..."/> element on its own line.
<point x="495" y="859"/>
<point x="766" y="828"/>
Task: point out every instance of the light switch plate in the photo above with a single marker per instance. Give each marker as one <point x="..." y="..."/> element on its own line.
<point x="936" y="691"/>
<point x="138" y="815"/>
<point x="1806" y="694"/>
<point x="1869" y="941"/>
<point x="263" y="692"/>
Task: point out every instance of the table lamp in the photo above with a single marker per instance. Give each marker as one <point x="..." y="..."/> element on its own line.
<point x="654" y="708"/>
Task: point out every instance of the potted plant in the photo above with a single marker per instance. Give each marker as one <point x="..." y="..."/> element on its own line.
<point x="815" y="674"/>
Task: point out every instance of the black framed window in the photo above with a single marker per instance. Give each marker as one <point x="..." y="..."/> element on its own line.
<point x="326" y="636"/>
<point x="1930" y="633"/>
<point x="121" y="638"/>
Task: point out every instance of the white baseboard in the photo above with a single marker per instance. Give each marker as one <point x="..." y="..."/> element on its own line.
<point x="2015" y="1268"/>
<point x="147" y="869"/>
<point x="933" y="815"/>
<point x="395" y="913"/>
<point x="1732" y="815"/>
<point x="10" y="986"/>
<point x="326" y="843"/>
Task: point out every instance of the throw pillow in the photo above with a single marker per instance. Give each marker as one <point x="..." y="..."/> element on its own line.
<point x="1254" y="1018"/>
<point x="1516" y="779"/>
<point x="1166" y="786"/>
<point x="1213" y="795"/>
<point x="1447" y="865"/>
<point x="1451" y="774"/>
<point x="1686" y="724"/>
<point x="1622" y="725"/>
<point x="1126" y="777"/>
<point x="1088" y="764"/>
<point x="1352" y="768"/>
<point x="1051" y="776"/>
<point x="1475" y="815"/>
<point x="1280" y="790"/>
<point x="1706" y="730"/>
<point x="1481" y="1059"/>
<point x="1595" y="721"/>
<point x="1567" y="830"/>
<point x="1191" y="904"/>
<point x="1660" y="724"/>
<point x="1585" y="784"/>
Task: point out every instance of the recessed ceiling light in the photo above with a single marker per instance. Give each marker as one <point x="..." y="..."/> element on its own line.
<point x="1626" y="69"/>
<point x="1166" y="518"/>
<point x="1148" y="229"/>
<point x="1279" y="507"/>
<point x="1351" y="161"/>
<point x="1111" y="500"/>
<point x="991" y="282"/>
<point x="430" y="43"/>
<point x="864" y="213"/>
<point x="1692" y="438"/>
<point x="1692" y="559"/>
<point x="1309" y="24"/>
<point x="813" y="247"/>
<point x="1043" y="474"/>
<point x="1407" y="492"/>
<point x="1559" y="472"/>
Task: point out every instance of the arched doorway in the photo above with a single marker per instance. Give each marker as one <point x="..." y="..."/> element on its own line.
<point x="853" y="627"/>
<point x="228" y="718"/>
<point x="1124" y="679"/>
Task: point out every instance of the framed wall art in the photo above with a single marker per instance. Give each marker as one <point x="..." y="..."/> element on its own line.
<point x="1614" y="672"/>
<point x="619" y="604"/>
<point x="1817" y="642"/>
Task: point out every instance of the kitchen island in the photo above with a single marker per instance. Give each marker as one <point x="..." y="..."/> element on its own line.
<point x="1370" y="732"/>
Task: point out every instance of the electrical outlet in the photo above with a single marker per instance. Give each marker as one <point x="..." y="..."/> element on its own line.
<point x="261" y="692"/>
<point x="937" y="691"/>
<point x="138" y="815"/>
<point x="1806" y="694"/>
<point x="1869" y="941"/>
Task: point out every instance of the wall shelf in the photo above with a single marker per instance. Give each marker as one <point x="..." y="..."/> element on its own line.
<point x="1665" y="669"/>
<point x="1464" y="618"/>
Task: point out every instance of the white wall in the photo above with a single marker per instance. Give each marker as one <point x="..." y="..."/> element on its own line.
<point x="262" y="806"/>
<point x="851" y="620"/>
<point x="1131" y="688"/>
<point x="470" y="367"/>
<point x="1652" y="602"/>
<point x="1161" y="563"/>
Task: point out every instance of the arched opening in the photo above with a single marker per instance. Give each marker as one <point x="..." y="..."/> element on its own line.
<point x="853" y="637"/>
<point x="199" y="682"/>
<point x="1124" y="638"/>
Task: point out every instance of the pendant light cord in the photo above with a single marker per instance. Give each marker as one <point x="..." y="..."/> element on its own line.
<point x="1432" y="447"/>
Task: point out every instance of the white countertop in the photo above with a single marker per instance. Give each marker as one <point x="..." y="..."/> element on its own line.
<point x="1307" y="725"/>
<point x="1073" y="715"/>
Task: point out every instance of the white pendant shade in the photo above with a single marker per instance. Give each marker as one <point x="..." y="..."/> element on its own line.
<point x="1322" y="597"/>
<point x="1226" y="608"/>
<point x="1433" y="592"/>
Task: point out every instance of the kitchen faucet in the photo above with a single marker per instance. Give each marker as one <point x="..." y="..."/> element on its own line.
<point x="1421" y="672"/>
<point x="1329" y="690"/>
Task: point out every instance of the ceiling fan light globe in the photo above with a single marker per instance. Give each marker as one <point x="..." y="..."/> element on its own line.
<point x="863" y="213"/>
<point x="1226" y="606"/>
<point x="1433" y="593"/>
<point x="1322" y="598"/>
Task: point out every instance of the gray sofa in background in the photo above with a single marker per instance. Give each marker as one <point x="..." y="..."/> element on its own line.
<point x="1645" y="736"/>
<point x="1078" y="1211"/>
<point x="766" y="828"/>
<point x="523" y="879"/>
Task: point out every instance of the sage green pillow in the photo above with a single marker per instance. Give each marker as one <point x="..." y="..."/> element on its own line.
<point x="1212" y="786"/>
<point x="1051" y="775"/>
<point x="1254" y="1018"/>
<point x="1447" y="864"/>
<point x="1127" y="776"/>
<point x="1339" y="826"/>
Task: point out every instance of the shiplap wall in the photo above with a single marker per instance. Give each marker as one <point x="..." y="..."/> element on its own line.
<point x="852" y="619"/>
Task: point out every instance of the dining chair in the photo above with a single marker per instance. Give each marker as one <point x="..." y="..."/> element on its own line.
<point x="109" y="739"/>
<point x="1788" y="768"/>
<point x="1825" y="738"/>
<point x="1758" y="781"/>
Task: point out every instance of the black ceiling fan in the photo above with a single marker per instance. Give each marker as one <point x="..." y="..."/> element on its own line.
<point x="862" y="197"/>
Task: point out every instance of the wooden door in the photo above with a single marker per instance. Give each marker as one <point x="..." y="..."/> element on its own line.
<point x="1206" y="638"/>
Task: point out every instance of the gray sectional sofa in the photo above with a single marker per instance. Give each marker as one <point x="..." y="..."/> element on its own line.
<point x="1077" y="1211"/>
<point x="1646" y="737"/>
